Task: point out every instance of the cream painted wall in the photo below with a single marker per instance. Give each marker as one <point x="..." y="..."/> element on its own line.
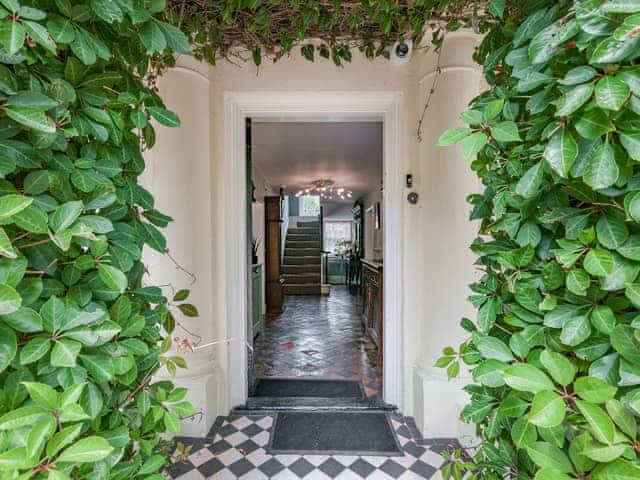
<point x="178" y="173"/>
<point x="439" y="236"/>
<point x="437" y="264"/>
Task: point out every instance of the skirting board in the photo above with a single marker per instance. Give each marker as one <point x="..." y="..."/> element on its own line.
<point x="202" y="392"/>
<point x="438" y="403"/>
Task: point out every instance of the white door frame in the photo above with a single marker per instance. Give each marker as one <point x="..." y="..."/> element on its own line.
<point x="313" y="106"/>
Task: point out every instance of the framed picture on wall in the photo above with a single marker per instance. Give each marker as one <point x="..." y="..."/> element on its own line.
<point x="377" y="216"/>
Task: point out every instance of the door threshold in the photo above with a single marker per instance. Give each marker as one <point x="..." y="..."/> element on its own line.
<point x="275" y="404"/>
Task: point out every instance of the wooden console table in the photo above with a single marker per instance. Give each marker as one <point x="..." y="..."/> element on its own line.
<point x="372" y="308"/>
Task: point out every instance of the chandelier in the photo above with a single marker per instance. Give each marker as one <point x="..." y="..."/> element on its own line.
<point x="326" y="189"/>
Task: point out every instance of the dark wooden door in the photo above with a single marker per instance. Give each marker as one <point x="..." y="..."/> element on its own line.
<point x="272" y="245"/>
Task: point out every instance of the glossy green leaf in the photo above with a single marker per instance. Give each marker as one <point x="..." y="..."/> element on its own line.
<point x="598" y="262"/>
<point x="594" y="390"/>
<point x="164" y="117"/>
<point x="561" y="152"/>
<point x="593" y="124"/>
<point x="471" y="145"/>
<point x="152" y="38"/>
<point x="65" y="352"/>
<point x="505" y="132"/>
<point x="631" y="142"/>
<point x="578" y="75"/>
<point x="527" y="378"/>
<point x="12" y="204"/>
<point x="575" y="98"/>
<point x="112" y="277"/>
<point x="559" y="367"/>
<point x="453" y="136"/>
<point x="611" y="231"/>
<point x="602" y="171"/>
<point x="547" y="410"/>
<point x="546" y="455"/>
<point x="87" y="450"/>
<point x="622" y="417"/>
<point x="10" y="300"/>
<point x="32" y="118"/>
<point x="34" y="350"/>
<point x="12" y="35"/>
<point x="601" y="425"/>
<point x="531" y="181"/>
<point x="611" y="93"/>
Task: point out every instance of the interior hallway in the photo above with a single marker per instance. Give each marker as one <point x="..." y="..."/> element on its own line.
<point x="321" y="337"/>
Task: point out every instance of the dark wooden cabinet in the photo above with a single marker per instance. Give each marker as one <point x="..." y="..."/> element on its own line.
<point x="372" y="307"/>
<point x="273" y="277"/>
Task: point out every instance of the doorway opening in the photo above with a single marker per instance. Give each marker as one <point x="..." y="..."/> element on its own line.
<point x="317" y="244"/>
<point x="383" y="107"/>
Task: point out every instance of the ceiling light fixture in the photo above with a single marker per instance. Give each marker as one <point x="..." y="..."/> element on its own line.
<point x="326" y="189"/>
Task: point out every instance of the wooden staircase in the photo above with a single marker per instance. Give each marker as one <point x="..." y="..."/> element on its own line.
<point x="301" y="260"/>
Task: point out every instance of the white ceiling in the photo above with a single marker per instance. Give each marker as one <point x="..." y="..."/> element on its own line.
<point x="293" y="154"/>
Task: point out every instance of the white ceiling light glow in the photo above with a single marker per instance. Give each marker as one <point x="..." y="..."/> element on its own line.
<point x="327" y="189"/>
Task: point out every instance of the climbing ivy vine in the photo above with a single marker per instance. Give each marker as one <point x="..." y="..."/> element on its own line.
<point x="80" y="333"/>
<point x="256" y="29"/>
<point x="555" y="348"/>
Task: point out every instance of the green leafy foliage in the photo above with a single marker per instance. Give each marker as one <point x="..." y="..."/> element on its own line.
<point x="80" y="336"/>
<point x="555" y="350"/>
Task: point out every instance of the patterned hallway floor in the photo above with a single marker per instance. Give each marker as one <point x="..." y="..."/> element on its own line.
<point x="319" y="336"/>
<point x="237" y="450"/>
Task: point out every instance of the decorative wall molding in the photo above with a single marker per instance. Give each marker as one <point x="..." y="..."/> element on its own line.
<point x="303" y="106"/>
<point x="190" y="64"/>
<point x="451" y="68"/>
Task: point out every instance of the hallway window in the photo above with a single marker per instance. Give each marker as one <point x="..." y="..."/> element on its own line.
<point x="337" y="236"/>
<point x="310" y="205"/>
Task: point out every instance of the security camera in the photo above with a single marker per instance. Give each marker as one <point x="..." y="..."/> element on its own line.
<point x="401" y="52"/>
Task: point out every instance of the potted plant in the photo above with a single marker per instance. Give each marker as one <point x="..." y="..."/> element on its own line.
<point x="255" y="244"/>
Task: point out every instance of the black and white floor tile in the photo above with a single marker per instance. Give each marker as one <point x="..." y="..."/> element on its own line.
<point x="236" y="449"/>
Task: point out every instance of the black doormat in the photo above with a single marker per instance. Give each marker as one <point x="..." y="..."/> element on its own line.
<point x="293" y="387"/>
<point x="333" y="433"/>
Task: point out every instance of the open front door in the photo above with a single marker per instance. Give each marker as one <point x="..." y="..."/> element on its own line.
<point x="273" y="259"/>
<point x="249" y="256"/>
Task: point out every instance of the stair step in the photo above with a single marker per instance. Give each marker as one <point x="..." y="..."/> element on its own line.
<point x="301" y="269"/>
<point x="303" y="244"/>
<point x="301" y="252"/>
<point x="298" y="260"/>
<point x="304" y="231"/>
<point x="308" y="224"/>
<point x="303" y="237"/>
<point x="292" y="279"/>
<point x="302" y="289"/>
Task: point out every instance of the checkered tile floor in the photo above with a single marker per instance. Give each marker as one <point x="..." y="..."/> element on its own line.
<point x="237" y="451"/>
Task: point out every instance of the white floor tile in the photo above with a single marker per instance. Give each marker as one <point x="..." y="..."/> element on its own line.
<point x="432" y="458"/>
<point x="201" y="456"/>
<point x="230" y="456"/>
<point x="236" y="438"/>
<point x="192" y="475"/>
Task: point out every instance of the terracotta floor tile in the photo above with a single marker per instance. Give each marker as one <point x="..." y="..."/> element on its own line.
<point x="319" y="336"/>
